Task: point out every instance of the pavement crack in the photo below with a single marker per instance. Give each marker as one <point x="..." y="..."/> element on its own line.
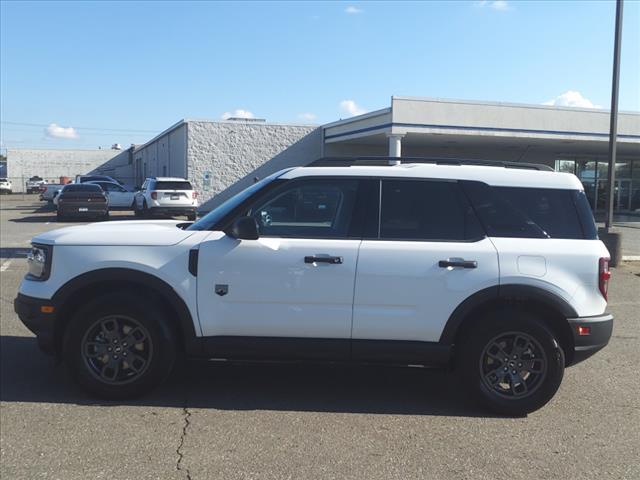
<point x="179" y="463"/>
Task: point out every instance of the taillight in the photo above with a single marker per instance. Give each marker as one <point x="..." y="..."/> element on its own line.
<point x="194" y="195"/>
<point x="603" y="276"/>
<point x="154" y="195"/>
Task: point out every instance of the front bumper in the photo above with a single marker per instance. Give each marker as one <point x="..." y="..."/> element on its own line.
<point x="29" y="310"/>
<point x="600" y="328"/>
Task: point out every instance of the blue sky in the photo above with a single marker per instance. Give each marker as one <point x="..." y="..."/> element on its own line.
<point x="84" y="74"/>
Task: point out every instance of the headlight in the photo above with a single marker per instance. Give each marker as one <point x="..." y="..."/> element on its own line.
<point x="39" y="261"/>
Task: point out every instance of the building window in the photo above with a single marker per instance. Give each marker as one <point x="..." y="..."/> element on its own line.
<point x="593" y="172"/>
<point x="566" y="166"/>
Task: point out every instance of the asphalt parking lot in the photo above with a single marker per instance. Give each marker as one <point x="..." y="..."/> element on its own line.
<point x="219" y="421"/>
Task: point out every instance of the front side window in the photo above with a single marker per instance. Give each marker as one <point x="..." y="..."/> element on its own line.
<point x="426" y="210"/>
<point x="109" y="187"/>
<point x="318" y="208"/>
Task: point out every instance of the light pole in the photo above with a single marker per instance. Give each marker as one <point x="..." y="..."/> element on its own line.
<point x="613" y="130"/>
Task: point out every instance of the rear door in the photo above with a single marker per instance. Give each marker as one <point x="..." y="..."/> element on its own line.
<point x="429" y="255"/>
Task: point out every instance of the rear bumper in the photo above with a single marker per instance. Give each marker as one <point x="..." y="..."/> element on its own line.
<point x="73" y="209"/>
<point x="177" y="210"/>
<point x="41" y="324"/>
<point x="600" y="328"/>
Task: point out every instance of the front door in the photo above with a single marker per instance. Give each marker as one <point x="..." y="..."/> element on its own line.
<point x="118" y="196"/>
<point x="296" y="281"/>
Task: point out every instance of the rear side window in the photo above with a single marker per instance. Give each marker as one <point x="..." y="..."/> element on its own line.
<point x="426" y="210"/>
<point x="173" y="186"/>
<point x="531" y="212"/>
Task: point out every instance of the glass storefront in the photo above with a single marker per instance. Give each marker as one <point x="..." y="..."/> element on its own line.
<point x="592" y="172"/>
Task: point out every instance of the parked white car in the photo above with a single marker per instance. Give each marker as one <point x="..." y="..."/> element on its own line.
<point x="496" y="272"/>
<point x="168" y="196"/>
<point x="5" y="186"/>
<point x="119" y="196"/>
<point x="34" y="184"/>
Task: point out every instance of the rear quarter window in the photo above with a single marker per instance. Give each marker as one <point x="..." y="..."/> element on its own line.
<point x="532" y="212"/>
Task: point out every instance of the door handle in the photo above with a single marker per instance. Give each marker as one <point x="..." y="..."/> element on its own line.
<point x="457" y="262"/>
<point x="323" y="259"/>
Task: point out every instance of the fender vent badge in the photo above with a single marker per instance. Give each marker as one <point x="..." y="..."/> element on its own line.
<point x="221" y="290"/>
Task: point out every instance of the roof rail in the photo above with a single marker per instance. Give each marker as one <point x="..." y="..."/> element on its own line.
<point x="390" y="161"/>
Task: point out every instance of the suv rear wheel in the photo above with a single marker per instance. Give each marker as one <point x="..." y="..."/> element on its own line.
<point x="118" y="347"/>
<point x="511" y="362"/>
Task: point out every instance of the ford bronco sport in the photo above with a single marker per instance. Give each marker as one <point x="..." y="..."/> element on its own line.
<point x="492" y="269"/>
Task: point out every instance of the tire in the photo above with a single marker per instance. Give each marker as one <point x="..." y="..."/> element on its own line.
<point x="531" y="351"/>
<point x="191" y="217"/>
<point x="145" y="210"/>
<point x="60" y="216"/>
<point x="105" y="217"/>
<point x="136" y="211"/>
<point x="115" y="321"/>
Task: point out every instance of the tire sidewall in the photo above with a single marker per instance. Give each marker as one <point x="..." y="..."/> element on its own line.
<point x="161" y="336"/>
<point x="492" y="326"/>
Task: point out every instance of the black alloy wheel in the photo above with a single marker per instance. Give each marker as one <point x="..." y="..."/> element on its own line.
<point x="513" y="364"/>
<point x="117" y="349"/>
<point x="120" y="346"/>
<point x="510" y="361"/>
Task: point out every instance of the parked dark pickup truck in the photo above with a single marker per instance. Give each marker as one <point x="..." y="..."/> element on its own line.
<point x="82" y="200"/>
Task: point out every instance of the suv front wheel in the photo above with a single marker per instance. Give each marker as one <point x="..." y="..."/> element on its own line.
<point x="511" y="362"/>
<point x="118" y="347"/>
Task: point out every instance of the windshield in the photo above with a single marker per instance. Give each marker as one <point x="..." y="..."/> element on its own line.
<point x="214" y="216"/>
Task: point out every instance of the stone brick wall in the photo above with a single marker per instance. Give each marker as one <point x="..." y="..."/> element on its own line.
<point x="52" y="164"/>
<point x="231" y="154"/>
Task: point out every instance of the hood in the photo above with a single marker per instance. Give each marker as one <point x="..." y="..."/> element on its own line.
<point x="132" y="233"/>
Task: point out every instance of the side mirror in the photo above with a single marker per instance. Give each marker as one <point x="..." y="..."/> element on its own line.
<point x="244" y="228"/>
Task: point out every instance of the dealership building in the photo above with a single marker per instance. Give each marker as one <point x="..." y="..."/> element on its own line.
<point x="221" y="158"/>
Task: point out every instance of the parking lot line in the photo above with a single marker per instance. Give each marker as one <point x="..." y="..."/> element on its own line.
<point x="5" y="265"/>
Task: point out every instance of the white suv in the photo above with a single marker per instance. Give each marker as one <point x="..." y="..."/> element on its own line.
<point x="166" y="196"/>
<point x="5" y="186"/>
<point x="495" y="271"/>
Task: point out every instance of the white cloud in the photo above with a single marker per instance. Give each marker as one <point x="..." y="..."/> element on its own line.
<point x="237" y="113"/>
<point x="351" y="10"/>
<point x="501" y="5"/>
<point x="307" y="116"/>
<point x="571" y="98"/>
<point x="56" y="131"/>
<point x="351" y="107"/>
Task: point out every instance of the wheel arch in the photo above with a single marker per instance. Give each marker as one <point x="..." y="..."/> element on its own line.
<point x="78" y="290"/>
<point x="553" y="310"/>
